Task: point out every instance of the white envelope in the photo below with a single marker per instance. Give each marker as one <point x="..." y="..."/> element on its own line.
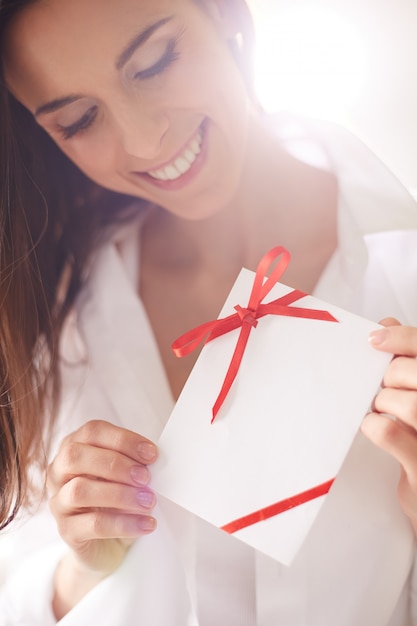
<point x="286" y="425"/>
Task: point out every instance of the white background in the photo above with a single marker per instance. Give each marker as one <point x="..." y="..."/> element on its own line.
<point x="352" y="61"/>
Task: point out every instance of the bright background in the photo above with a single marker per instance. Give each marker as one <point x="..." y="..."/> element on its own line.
<point x="350" y="61"/>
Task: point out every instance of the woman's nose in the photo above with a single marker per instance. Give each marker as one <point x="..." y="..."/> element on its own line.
<point x="141" y="131"/>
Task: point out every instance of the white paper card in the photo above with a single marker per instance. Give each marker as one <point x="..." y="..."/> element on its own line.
<point x="302" y="390"/>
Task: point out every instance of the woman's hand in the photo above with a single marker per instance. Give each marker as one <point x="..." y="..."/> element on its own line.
<point x="101" y="502"/>
<point x="398" y="398"/>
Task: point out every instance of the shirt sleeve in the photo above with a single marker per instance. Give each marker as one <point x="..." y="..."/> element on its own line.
<point x="26" y="596"/>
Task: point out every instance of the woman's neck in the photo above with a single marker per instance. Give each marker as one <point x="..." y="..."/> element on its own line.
<point x="280" y="201"/>
<point x="228" y="237"/>
<point x="188" y="267"/>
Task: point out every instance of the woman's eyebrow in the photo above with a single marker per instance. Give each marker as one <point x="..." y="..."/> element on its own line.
<point x="54" y="105"/>
<point x="137" y="41"/>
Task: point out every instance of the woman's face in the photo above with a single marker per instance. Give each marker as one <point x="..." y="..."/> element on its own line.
<point x="143" y="95"/>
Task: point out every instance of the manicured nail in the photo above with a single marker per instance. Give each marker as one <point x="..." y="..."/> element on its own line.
<point x="377" y="337"/>
<point x="146" y="498"/>
<point x="140" y="474"/>
<point x="147" y="451"/>
<point x="147" y="524"/>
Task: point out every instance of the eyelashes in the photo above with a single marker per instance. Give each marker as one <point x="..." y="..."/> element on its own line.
<point x="82" y="124"/>
<point x="169" y="57"/>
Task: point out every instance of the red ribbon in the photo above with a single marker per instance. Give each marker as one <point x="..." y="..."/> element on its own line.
<point x="247" y="317"/>
<point x="278" y="507"/>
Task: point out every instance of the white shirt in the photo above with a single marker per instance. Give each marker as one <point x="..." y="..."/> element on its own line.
<point x="355" y="568"/>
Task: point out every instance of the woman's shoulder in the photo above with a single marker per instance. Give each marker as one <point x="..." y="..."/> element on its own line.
<point x="388" y="288"/>
<point x="377" y="200"/>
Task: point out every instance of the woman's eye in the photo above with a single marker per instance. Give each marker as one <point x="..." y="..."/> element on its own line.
<point x="81" y="124"/>
<point x="170" y="55"/>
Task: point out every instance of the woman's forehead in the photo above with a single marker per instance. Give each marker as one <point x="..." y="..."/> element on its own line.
<point x="53" y="40"/>
<point x="78" y="22"/>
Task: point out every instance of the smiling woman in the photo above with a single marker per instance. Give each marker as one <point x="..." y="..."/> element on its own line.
<point x="139" y="174"/>
<point x="125" y="111"/>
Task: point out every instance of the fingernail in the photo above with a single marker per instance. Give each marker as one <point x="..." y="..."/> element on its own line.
<point x="377" y="337"/>
<point x="147" y="451"/>
<point x="146" y="498"/>
<point x="147" y="524"/>
<point x="140" y="474"/>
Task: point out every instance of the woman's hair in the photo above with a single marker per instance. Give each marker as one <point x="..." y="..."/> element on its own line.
<point x="51" y="217"/>
<point x="241" y="46"/>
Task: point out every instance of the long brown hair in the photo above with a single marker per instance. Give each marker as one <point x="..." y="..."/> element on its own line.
<point x="51" y="216"/>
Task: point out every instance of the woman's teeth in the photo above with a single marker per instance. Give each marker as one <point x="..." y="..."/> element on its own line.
<point x="182" y="163"/>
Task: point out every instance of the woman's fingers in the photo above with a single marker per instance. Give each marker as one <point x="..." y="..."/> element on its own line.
<point x="80" y="459"/>
<point x="400" y="441"/>
<point x="99" y="494"/>
<point x="87" y="493"/>
<point x="88" y="509"/>
<point x="398" y="397"/>
<point x="99" y="477"/>
<point x="394" y="437"/>
<point x="392" y="425"/>
<point x="401" y="373"/>
<point x="101" y="434"/>
<point x="395" y="338"/>
<point x="84" y="528"/>
<point x="401" y="403"/>
<point x="104" y="451"/>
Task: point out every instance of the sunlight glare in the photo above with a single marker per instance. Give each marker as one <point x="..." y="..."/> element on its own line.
<point x="309" y="60"/>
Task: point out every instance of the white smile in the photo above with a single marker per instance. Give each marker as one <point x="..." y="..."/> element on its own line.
<point x="182" y="163"/>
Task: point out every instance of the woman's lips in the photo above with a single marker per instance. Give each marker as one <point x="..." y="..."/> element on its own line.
<point x="183" y="168"/>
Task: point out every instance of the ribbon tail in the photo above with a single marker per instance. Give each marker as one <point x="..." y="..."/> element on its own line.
<point x="189" y="341"/>
<point x="233" y="368"/>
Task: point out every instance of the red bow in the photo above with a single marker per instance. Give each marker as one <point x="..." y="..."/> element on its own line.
<point x="247" y="318"/>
